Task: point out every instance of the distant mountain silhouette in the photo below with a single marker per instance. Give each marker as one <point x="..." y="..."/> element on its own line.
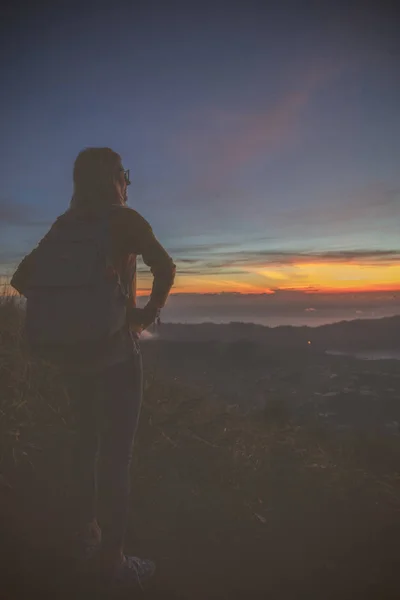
<point x="360" y="334"/>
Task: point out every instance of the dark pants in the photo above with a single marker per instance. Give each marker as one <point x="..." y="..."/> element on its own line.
<point x="106" y="406"/>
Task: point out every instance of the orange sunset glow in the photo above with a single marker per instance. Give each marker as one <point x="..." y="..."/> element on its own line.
<point x="318" y="276"/>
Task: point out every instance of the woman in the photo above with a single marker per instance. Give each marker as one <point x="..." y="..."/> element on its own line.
<point x="105" y="382"/>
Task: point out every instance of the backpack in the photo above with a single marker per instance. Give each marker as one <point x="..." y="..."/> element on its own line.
<point x="75" y="298"/>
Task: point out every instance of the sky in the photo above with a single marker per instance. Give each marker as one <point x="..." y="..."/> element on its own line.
<point x="263" y="138"/>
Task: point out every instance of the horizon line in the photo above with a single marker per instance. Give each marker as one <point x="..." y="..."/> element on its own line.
<point x="305" y="291"/>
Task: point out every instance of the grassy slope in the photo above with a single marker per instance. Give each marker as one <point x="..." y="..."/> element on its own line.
<point x="228" y="506"/>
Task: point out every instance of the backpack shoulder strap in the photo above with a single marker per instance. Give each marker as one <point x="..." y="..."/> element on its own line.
<point x="105" y="243"/>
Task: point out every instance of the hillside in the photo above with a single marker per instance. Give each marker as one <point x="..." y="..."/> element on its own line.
<point x="231" y="503"/>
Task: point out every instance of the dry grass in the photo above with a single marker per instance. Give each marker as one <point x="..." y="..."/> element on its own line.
<point x="34" y="407"/>
<point x="32" y="401"/>
<point x="252" y="485"/>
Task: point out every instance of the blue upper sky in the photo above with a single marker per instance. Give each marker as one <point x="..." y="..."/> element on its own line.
<point x="250" y="131"/>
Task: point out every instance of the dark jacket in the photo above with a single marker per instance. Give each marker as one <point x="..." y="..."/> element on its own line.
<point x="131" y="235"/>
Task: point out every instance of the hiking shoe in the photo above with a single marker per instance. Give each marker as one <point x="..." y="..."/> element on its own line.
<point x="133" y="572"/>
<point x="85" y="548"/>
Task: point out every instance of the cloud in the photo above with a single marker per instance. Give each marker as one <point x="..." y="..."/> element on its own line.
<point x="194" y="248"/>
<point x="376" y="201"/>
<point x="257" y="134"/>
<point x="12" y="213"/>
<point x="383" y="195"/>
<point x="223" y="141"/>
<point x="373" y="257"/>
<point x="8" y="263"/>
<point x="17" y="214"/>
<point x="224" y="259"/>
<point x="201" y="271"/>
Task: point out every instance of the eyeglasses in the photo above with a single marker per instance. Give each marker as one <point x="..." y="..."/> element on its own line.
<point x="126" y="176"/>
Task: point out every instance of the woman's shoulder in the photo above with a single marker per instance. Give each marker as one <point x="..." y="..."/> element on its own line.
<point x="129" y="217"/>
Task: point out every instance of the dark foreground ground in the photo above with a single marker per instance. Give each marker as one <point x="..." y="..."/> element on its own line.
<point x="271" y="503"/>
<point x="223" y="520"/>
